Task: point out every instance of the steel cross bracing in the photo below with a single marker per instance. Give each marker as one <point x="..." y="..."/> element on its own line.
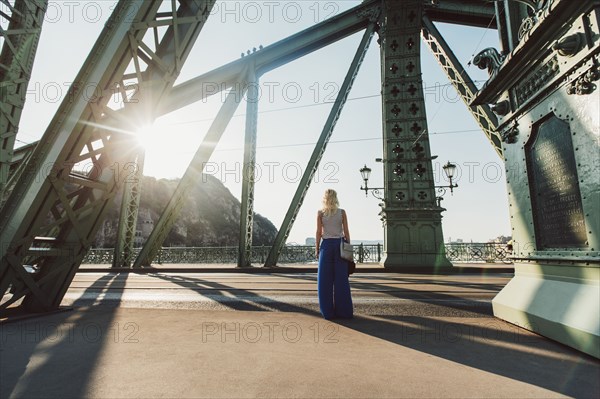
<point x="248" y="173"/>
<point x="16" y="166"/>
<point x="175" y="44"/>
<point x="271" y="57"/>
<point x="52" y="215"/>
<point x="128" y="214"/>
<point x="462" y="82"/>
<point x="193" y="174"/>
<point x="19" y="44"/>
<point x="319" y="150"/>
<point x="45" y="216"/>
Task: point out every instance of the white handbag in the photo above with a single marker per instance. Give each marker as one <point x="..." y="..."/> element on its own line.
<point x="347" y="251"/>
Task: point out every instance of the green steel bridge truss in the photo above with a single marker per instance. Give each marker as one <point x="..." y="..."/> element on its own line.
<point x="49" y="217"/>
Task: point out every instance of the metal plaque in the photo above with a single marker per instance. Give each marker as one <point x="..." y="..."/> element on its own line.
<point x="556" y="200"/>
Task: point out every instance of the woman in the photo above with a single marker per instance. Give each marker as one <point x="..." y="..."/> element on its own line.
<point x="332" y="278"/>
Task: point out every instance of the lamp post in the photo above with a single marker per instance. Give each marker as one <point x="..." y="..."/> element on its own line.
<point x="449" y="170"/>
<point x="365" y="172"/>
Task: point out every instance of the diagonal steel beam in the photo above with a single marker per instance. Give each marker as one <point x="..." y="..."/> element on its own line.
<point x="462" y="82"/>
<point x="16" y="64"/>
<point x="34" y="228"/>
<point x="192" y="175"/>
<point x="273" y="56"/>
<point x="313" y="163"/>
<point x="170" y="52"/>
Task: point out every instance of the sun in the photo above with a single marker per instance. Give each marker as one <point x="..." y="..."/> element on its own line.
<point x="150" y="138"/>
<point x="167" y="149"/>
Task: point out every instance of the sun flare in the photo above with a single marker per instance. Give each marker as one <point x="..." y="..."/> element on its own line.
<point x="168" y="149"/>
<point x="150" y="137"/>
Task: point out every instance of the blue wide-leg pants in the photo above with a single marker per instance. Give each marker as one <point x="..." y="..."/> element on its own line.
<point x="332" y="281"/>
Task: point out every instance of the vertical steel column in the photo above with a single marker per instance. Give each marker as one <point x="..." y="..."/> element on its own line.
<point x="514" y="14"/>
<point x="412" y="218"/>
<point x="462" y="82"/>
<point x="172" y="49"/>
<point x="313" y="163"/>
<point x="192" y="175"/>
<point x="248" y="177"/>
<point x="502" y="31"/>
<point x="132" y="191"/>
<point x="16" y="63"/>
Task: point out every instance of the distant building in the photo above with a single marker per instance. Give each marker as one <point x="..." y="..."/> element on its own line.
<point x="501" y="239"/>
<point x="144" y="227"/>
<point x="310" y="241"/>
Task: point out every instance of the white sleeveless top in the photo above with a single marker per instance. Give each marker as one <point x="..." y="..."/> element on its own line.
<point x="332" y="225"/>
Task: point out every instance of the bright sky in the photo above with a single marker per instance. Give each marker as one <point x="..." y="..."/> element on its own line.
<point x="293" y="109"/>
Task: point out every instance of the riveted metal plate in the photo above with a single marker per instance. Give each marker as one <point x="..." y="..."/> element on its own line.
<point x="557" y="208"/>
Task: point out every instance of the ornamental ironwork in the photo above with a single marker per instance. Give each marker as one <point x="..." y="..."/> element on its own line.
<point x="363" y="253"/>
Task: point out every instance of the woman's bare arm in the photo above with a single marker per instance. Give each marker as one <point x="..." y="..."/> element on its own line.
<point x="345" y="225"/>
<point x="319" y="232"/>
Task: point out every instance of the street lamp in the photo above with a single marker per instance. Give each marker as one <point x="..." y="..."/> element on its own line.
<point x="365" y="173"/>
<point x="449" y="170"/>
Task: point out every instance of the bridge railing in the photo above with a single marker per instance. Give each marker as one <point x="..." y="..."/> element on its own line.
<point x="363" y="253"/>
<point x="488" y="252"/>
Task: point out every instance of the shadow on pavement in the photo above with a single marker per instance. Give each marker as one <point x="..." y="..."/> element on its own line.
<point x="469" y="334"/>
<point x="40" y="354"/>
<point x="491" y="345"/>
<point x="464" y="332"/>
<point x="238" y="299"/>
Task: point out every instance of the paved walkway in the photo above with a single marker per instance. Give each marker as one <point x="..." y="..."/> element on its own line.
<point x="472" y="267"/>
<point x="233" y="335"/>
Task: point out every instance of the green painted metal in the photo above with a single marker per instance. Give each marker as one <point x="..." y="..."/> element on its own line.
<point x="471" y="13"/>
<point x="320" y="147"/>
<point x="192" y="175"/>
<point x="16" y="64"/>
<point x="462" y="82"/>
<point x="511" y="16"/>
<point x="273" y="56"/>
<point x="248" y="172"/>
<point x="548" y="89"/>
<point x="132" y="191"/>
<point x="173" y="49"/>
<point x="51" y="217"/>
<point x="475" y="253"/>
<point x="411" y="215"/>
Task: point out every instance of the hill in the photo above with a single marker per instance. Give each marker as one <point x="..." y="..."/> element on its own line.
<point x="210" y="216"/>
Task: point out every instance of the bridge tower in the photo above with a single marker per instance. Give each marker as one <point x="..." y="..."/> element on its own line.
<point x="411" y="215"/>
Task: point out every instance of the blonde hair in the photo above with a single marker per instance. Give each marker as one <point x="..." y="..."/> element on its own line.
<point x="330" y="202"/>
